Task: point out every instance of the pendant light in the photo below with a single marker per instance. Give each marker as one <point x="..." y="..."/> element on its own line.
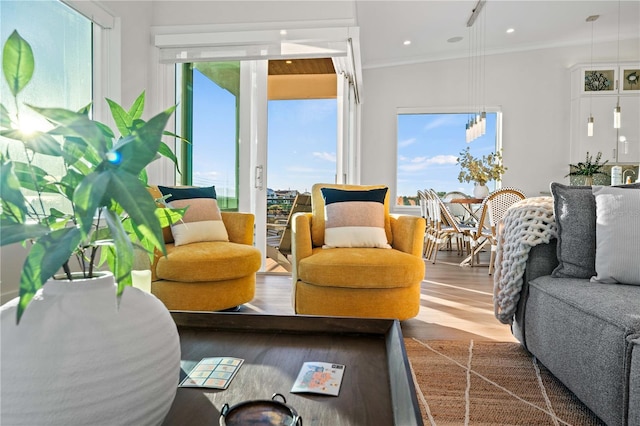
<point x="476" y="126"/>
<point x="616" y="110"/>
<point x="590" y="120"/>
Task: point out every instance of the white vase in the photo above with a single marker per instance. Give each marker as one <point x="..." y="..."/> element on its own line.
<point x="80" y="356"/>
<point x="480" y="191"/>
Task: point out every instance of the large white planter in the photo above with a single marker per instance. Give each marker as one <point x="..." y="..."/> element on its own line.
<point x="81" y="357"/>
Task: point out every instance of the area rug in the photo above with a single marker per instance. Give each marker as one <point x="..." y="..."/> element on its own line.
<point x="489" y="383"/>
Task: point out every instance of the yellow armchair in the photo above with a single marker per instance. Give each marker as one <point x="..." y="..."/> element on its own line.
<point x="354" y="281"/>
<point x="208" y="276"/>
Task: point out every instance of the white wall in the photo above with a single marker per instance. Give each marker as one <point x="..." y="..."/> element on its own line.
<point x="526" y="85"/>
<point x="230" y="12"/>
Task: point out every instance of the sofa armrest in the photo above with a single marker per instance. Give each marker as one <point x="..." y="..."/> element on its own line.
<point x="542" y="261"/>
<point x="239" y="226"/>
<point x="301" y="244"/>
<point x="408" y="233"/>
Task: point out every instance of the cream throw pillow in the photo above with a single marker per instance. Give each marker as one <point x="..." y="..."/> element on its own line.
<point x="354" y="218"/>
<point x="202" y="220"/>
<point x="617" y="235"/>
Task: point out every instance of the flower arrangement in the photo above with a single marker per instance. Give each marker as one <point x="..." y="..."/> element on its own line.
<point x="480" y="170"/>
<point x="588" y="168"/>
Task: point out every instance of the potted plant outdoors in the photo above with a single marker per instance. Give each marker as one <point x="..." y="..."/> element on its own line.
<point x="589" y="168"/>
<point x="57" y="334"/>
<point x="480" y="170"/>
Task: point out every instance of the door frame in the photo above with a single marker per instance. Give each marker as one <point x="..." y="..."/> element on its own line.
<point x="253" y="48"/>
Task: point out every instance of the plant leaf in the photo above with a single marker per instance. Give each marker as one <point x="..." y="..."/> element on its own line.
<point x="13" y="202"/>
<point x="121" y="117"/>
<point x="136" y="200"/>
<point x="45" y="258"/>
<point x="43" y="143"/>
<point x="136" y="110"/>
<point x="168" y="216"/>
<point x="139" y="149"/>
<point x="17" y="62"/>
<point x="88" y="196"/>
<point x="173" y="135"/>
<point x="15" y="232"/>
<point x="165" y="151"/>
<point x="123" y="249"/>
<point x="71" y="123"/>
<point x="33" y="178"/>
<point x="5" y="118"/>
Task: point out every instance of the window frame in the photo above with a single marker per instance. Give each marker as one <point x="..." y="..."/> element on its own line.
<point x="440" y="110"/>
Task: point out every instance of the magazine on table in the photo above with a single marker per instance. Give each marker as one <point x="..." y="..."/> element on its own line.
<point x="319" y="377"/>
<point x="213" y="372"/>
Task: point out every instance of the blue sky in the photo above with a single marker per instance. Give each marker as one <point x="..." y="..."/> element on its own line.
<point x="428" y="146"/>
<point x="302" y="144"/>
<point x="301" y="139"/>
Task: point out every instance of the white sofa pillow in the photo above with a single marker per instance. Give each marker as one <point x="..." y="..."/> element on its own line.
<point x="617" y="235"/>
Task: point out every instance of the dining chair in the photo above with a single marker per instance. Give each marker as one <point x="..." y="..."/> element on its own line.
<point x="493" y="209"/>
<point x="447" y="228"/>
<point x="458" y="210"/>
<point x="425" y="212"/>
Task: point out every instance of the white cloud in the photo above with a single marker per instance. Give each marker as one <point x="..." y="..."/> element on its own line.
<point x="209" y="174"/>
<point x="443" y="120"/>
<point x="444" y="159"/>
<point x="420" y="163"/>
<point x="407" y="142"/>
<point x="327" y="156"/>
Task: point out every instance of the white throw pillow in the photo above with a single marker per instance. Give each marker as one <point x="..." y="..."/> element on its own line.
<point x="202" y="221"/>
<point x="617" y="235"/>
<point x="354" y="218"/>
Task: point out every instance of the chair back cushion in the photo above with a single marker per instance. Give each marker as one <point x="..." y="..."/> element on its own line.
<point x="202" y="221"/>
<point x="318" y="223"/>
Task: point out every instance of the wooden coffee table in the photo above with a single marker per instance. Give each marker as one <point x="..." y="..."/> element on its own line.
<point x="377" y="388"/>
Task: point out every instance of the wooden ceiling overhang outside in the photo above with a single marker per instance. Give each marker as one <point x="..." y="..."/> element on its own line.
<point x="301" y="79"/>
<point x="287" y="79"/>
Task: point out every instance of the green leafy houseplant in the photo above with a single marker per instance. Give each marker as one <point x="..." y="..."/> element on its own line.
<point x="589" y="167"/>
<point x="480" y="170"/>
<point x="104" y="182"/>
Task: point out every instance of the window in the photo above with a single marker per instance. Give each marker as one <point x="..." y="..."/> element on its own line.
<point x="210" y="93"/>
<point x="428" y="147"/>
<point x="61" y="40"/>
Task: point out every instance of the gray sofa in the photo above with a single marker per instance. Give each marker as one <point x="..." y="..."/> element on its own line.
<point x="586" y="333"/>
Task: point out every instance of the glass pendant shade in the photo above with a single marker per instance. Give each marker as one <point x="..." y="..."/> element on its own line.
<point x="590" y="126"/>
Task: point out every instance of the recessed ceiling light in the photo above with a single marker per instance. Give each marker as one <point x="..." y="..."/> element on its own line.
<point x="407" y="42"/>
<point x="510" y="30"/>
<point x="454" y="39"/>
<point x="283" y="32"/>
<point x="288" y="62"/>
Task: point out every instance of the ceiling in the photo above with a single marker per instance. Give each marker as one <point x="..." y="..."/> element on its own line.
<point x="385" y="25"/>
<point x="301" y="66"/>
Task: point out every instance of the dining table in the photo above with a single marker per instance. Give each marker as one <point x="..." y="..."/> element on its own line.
<point x="473" y="206"/>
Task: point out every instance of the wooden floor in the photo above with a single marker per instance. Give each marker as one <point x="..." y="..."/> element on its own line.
<point x="456" y="303"/>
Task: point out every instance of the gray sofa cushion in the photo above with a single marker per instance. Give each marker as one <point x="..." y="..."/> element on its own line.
<point x="634" y="382"/>
<point x="575" y="213"/>
<point x="579" y="331"/>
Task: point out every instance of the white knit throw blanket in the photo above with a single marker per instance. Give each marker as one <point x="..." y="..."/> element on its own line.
<point x="526" y="224"/>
